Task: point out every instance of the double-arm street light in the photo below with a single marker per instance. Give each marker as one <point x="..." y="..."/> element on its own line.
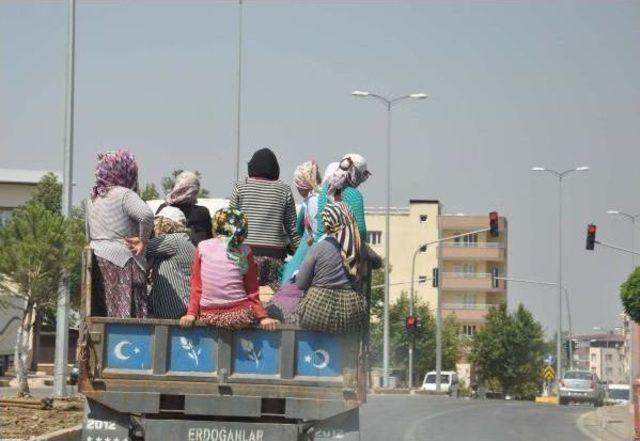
<point x="560" y="175"/>
<point x="388" y="103"/>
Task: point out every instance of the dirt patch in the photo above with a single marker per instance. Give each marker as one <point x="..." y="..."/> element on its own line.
<point x="23" y="423"/>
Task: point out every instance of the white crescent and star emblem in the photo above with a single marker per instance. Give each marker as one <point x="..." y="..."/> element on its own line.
<point x="319" y="359"/>
<point x="117" y="350"/>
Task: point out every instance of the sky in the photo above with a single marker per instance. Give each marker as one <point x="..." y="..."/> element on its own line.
<point x="511" y="85"/>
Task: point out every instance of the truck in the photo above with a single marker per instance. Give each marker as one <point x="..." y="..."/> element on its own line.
<point x="150" y="379"/>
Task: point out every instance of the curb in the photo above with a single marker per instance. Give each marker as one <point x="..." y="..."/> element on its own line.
<point x="581" y="426"/>
<point x="68" y="434"/>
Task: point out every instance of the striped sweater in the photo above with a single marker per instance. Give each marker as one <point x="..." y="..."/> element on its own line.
<point x="112" y="218"/>
<point x="270" y="211"/>
<point x="171" y="256"/>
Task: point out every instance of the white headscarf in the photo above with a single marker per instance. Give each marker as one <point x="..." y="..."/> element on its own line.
<point x="329" y="171"/>
<point x="352" y="171"/>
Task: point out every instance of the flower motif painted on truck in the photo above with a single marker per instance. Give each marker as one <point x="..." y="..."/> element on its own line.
<point x="249" y="349"/>
<point x="193" y="351"/>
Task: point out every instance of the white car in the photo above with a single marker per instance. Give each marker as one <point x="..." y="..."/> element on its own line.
<point x="617" y="394"/>
<point x="448" y="382"/>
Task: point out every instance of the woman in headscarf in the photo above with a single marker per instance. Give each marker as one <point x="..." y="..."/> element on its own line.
<point x="269" y="204"/>
<point x="341" y="185"/>
<point x="306" y="179"/>
<point x="224" y="283"/>
<point x="115" y="213"/>
<point x="171" y="255"/>
<point x="184" y="196"/>
<point x="330" y="276"/>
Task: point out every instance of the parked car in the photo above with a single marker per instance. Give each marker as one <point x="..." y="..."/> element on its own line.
<point x="448" y="382"/>
<point x="617" y="394"/>
<point x="581" y="386"/>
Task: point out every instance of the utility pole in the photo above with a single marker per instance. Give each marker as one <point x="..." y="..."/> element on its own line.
<point x="239" y="90"/>
<point x="62" y="314"/>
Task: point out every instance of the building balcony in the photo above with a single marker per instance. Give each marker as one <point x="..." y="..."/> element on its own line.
<point x="491" y="251"/>
<point x="462" y="223"/>
<point x="466" y="311"/>
<point x="455" y="281"/>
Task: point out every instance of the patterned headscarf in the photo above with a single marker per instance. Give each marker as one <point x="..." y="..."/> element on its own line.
<point x="115" y="168"/>
<point x="231" y="226"/>
<point x="170" y="220"/>
<point x="306" y="176"/>
<point x="352" y="171"/>
<point x="185" y="190"/>
<point x="340" y="223"/>
<point x="329" y="171"/>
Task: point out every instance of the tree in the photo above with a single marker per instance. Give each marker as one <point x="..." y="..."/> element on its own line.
<point x="424" y="336"/>
<point x="509" y="351"/>
<point x="150" y="192"/>
<point x="48" y="193"/>
<point x="169" y="181"/>
<point x="630" y="295"/>
<point x="36" y="245"/>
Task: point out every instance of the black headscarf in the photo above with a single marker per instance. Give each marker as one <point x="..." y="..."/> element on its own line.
<point x="264" y="164"/>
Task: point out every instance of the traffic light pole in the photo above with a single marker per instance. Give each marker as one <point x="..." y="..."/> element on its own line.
<point x="424" y="247"/>
<point x="617" y="248"/>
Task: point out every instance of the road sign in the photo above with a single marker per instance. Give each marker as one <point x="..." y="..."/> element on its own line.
<point x="548" y="373"/>
<point x="549" y="359"/>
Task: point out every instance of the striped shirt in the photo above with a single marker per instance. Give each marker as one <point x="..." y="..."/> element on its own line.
<point x="270" y="211"/>
<point x="114" y="217"/>
<point x="171" y="257"/>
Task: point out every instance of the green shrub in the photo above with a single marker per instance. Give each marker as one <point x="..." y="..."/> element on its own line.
<point x="630" y="295"/>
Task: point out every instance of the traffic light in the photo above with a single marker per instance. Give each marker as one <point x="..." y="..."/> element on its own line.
<point x="411" y="323"/>
<point x="493" y="224"/>
<point x="591" y="236"/>
<point x="495" y="282"/>
<point x="435" y="280"/>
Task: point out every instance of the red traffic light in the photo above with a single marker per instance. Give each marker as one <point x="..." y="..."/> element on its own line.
<point x="591" y="236"/>
<point x="411" y="322"/>
<point x="493" y="224"/>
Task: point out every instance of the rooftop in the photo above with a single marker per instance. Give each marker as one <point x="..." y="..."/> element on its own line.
<point x="16" y="176"/>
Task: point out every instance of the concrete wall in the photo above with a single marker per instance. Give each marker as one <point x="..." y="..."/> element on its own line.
<point x="14" y="195"/>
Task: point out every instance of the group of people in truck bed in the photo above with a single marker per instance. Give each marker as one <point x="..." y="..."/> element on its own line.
<point x="182" y="263"/>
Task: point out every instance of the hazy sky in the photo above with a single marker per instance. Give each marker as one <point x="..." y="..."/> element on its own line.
<point x="513" y="84"/>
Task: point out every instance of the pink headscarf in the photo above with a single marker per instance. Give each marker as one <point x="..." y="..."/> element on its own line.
<point x="185" y="190"/>
<point x="115" y="168"/>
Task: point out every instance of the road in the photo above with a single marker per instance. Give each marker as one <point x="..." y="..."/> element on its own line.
<point x="419" y="418"/>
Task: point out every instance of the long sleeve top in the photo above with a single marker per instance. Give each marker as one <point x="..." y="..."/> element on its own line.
<point x="217" y="285"/>
<point x="171" y="256"/>
<point x="353" y="198"/>
<point x="271" y="211"/>
<point x="198" y="221"/>
<point x="323" y="267"/>
<point x="112" y="218"/>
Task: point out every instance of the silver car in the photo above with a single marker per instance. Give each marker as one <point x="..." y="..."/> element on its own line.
<point x="581" y="386"/>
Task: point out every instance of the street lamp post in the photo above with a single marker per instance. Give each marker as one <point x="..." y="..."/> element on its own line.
<point x="62" y="313"/>
<point x="239" y="90"/>
<point x="634" y="329"/>
<point x="388" y="103"/>
<point x="560" y="176"/>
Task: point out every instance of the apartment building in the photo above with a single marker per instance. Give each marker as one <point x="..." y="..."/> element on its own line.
<point x="410" y="227"/>
<point x="466" y="266"/>
<point x="603" y="354"/>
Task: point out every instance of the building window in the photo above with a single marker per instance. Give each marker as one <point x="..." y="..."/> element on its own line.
<point x="5" y="215"/>
<point x="609" y="357"/>
<point x="374" y="237"/>
<point x="468" y="330"/>
<point x="423" y="218"/>
<point x="422" y="280"/>
<point x="469" y="301"/>
<point x="593" y="369"/>
<point x="470" y="240"/>
<point x="609" y="370"/>
<point x="466" y="270"/>
<point x="593" y="358"/>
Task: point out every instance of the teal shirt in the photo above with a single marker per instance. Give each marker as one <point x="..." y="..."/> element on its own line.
<point x="353" y="198"/>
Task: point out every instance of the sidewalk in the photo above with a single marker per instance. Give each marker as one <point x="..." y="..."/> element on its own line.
<point x="611" y="423"/>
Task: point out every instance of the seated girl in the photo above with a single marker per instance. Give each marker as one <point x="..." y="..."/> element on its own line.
<point x="224" y="281"/>
<point x="171" y="255"/>
<point x="330" y="276"/>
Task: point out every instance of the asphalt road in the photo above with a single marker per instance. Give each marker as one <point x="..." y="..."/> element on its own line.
<point x="420" y="418"/>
